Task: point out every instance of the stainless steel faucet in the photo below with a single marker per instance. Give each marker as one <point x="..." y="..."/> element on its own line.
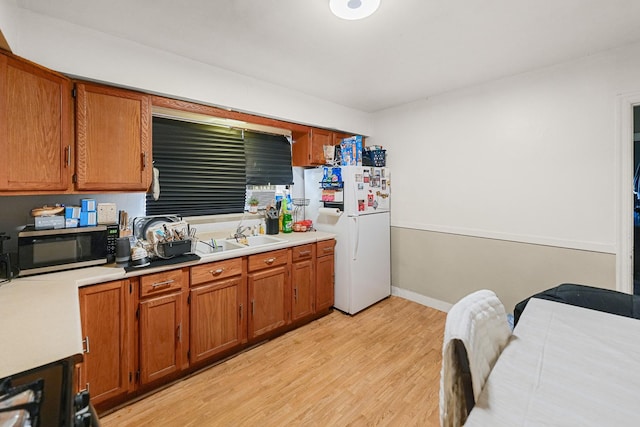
<point x="240" y="232"/>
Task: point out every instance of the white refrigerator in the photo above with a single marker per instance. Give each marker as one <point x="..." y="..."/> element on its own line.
<point x="355" y="206"/>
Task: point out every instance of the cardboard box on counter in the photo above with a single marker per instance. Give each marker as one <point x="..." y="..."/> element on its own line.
<point x="107" y="213"/>
<point x="88" y="205"/>
<point x="49" y="222"/>
<point x="88" y="219"/>
<point x="72" y="212"/>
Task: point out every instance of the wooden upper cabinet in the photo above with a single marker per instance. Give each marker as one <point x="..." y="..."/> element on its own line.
<point x="338" y="137"/>
<point x="35" y="128"/>
<point x="307" y="149"/>
<point x="113" y="139"/>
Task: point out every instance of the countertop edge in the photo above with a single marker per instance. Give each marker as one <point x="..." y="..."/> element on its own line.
<point x="42" y="312"/>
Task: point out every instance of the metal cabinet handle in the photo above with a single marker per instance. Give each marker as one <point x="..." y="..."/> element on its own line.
<point x="216" y="272"/>
<point x="295" y="294"/>
<point x="85" y="342"/>
<point x="328" y="249"/>
<point x="253" y="308"/>
<point x="180" y="332"/>
<point x="303" y="253"/>
<point x="269" y="260"/>
<point x="165" y="283"/>
<point x="68" y="153"/>
<point x="144" y="160"/>
<point x="240" y="311"/>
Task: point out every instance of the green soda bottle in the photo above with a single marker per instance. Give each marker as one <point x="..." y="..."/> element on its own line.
<point x="287" y="221"/>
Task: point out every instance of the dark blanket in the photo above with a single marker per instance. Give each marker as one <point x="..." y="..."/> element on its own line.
<point x="606" y="300"/>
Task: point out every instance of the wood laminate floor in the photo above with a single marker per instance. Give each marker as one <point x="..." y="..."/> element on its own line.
<point x="380" y="367"/>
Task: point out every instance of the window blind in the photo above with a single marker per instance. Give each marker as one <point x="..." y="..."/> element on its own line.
<point x="202" y="169"/>
<point x="268" y="159"/>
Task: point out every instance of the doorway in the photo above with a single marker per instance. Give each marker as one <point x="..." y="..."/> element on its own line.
<point x="636" y="199"/>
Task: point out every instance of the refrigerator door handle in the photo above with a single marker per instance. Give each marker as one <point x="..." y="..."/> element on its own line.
<point x="354" y="201"/>
<point x="357" y="242"/>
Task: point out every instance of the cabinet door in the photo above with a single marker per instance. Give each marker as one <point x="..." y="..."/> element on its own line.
<point x="325" y="274"/>
<point x="324" y="283"/>
<point x="319" y="138"/>
<point x="218" y="318"/>
<point x="35" y="127"/>
<point x="303" y="286"/>
<point x="113" y="139"/>
<point x="105" y="370"/>
<point x="307" y="149"/>
<point x="269" y="299"/>
<point x="338" y="137"/>
<point x="161" y="337"/>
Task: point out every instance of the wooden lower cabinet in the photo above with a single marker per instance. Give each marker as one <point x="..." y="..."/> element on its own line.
<point x="144" y="331"/>
<point x="217" y="306"/>
<point x="269" y="292"/>
<point x="163" y="329"/>
<point x="303" y="281"/>
<point x="325" y="274"/>
<point x="106" y="370"/>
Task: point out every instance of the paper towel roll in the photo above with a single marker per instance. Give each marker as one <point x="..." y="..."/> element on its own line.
<point x="330" y="211"/>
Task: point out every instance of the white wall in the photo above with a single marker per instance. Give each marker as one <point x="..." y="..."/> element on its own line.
<point x="531" y="158"/>
<point x="79" y="51"/>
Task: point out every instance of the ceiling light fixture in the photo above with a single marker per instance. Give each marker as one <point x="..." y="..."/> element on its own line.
<point x="353" y="9"/>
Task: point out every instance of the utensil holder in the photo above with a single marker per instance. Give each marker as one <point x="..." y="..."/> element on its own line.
<point x="173" y="248"/>
<point x="272" y="225"/>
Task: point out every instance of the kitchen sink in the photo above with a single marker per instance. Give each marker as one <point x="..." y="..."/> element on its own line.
<point x="206" y="247"/>
<point x="253" y="241"/>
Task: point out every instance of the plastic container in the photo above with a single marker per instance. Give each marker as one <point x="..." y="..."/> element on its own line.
<point x="174" y="248"/>
<point x="376" y="158"/>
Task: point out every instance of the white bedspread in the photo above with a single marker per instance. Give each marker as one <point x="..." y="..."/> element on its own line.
<point x="564" y="366"/>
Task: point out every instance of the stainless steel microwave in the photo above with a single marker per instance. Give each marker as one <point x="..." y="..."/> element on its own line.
<point x="45" y="251"/>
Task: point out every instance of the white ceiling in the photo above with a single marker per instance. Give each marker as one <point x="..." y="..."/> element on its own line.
<point x="407" y="50"/>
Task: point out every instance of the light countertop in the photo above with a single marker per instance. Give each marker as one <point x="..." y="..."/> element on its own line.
<point x="41" y="314"/>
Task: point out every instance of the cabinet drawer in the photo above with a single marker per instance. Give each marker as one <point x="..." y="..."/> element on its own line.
<point x="267" y="259"/>
<point x="303" y="252"/>
<point x="215" y="270"/>
<point x="326" y="247"/>
<point x="159" y="283"/>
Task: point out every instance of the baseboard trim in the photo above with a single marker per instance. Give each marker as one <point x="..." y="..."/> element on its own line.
<point x="421" y="299"/>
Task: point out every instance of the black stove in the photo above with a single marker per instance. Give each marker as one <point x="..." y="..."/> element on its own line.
<point x="55" y="403"/>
